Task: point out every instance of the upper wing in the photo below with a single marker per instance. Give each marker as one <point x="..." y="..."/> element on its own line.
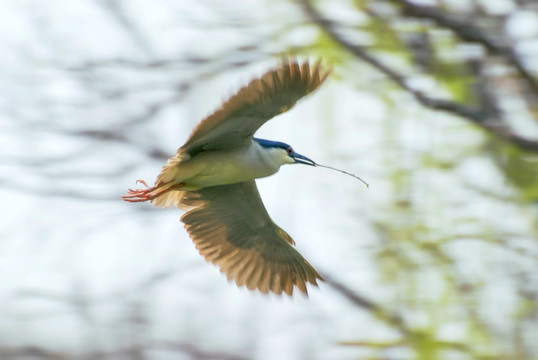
<point x="231" y="228"/>
<point x="238" y="118"/>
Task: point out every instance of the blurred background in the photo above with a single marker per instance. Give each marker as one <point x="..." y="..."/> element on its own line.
<point x="434" y="103"/>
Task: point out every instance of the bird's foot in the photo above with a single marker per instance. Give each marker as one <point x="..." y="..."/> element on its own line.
<point x="143" y="182"/>
<point x="149" y="193"/>
<point x="139" y="195"/>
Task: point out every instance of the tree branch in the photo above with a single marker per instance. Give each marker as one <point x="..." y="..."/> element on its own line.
<point x="468" y="32"/>
<point x="478" y="116"/>
<point x="360" y="301"/>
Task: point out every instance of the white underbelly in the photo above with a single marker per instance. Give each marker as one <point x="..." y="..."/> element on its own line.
<point x="222" y="168"/>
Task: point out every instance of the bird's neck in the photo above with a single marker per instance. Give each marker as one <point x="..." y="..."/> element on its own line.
<point x="270" y="158"/>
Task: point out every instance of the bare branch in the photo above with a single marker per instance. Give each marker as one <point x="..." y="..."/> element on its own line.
<point x="362" y="302"/>
<point x="478" y="116"/>
<point x="390" y="317"/>
<point x="468" y="32"/>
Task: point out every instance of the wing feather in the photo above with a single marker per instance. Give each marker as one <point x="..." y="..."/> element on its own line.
<point x="234" y="124"/>
<point x="231" y="228"/>
<point x="238" y="118"/>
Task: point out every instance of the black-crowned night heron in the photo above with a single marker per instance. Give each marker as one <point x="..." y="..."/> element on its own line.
<point x="212" y="178"/>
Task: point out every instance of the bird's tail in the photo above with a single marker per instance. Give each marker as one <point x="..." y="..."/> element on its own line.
<point x="170" y="199"/>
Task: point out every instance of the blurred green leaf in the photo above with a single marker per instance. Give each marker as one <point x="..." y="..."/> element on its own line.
<point x="520" y="168"/>
<point x="385" y="38"/>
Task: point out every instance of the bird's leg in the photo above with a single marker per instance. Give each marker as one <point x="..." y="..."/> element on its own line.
<point x="150" y="193"/>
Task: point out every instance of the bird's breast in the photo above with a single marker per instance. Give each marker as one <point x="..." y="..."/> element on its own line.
<point x="229" y="167"/>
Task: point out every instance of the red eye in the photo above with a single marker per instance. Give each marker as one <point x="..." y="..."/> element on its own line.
<point x="290" y="150"/>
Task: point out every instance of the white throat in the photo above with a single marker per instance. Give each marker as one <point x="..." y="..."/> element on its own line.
<point x="272" y="158"/>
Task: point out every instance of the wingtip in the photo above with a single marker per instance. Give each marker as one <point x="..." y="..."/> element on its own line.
<point x="315" y="67"/>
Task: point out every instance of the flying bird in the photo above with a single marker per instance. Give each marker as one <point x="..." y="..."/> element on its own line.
<point x="212" y="177"/>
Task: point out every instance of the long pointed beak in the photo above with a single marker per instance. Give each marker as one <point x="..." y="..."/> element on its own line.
<point x="300" y="159"/>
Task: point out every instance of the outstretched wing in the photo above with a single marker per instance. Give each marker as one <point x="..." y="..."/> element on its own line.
<point x="238" y="118"/>
<point x="232" y="229"/>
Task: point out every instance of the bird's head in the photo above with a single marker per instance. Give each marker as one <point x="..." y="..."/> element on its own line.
<point x="284" y="152"/>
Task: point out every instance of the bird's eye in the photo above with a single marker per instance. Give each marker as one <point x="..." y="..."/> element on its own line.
<point x="290" y="150"/>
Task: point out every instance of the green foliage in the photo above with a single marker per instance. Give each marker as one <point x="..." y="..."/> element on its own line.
<point x="520" y="168"/>
<point x="329" y="50"/>
<point x="361" y="4"/>
<point x="455" y="77"/>
<point x="385" y="38"/>
<point x="421" y="223"/>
